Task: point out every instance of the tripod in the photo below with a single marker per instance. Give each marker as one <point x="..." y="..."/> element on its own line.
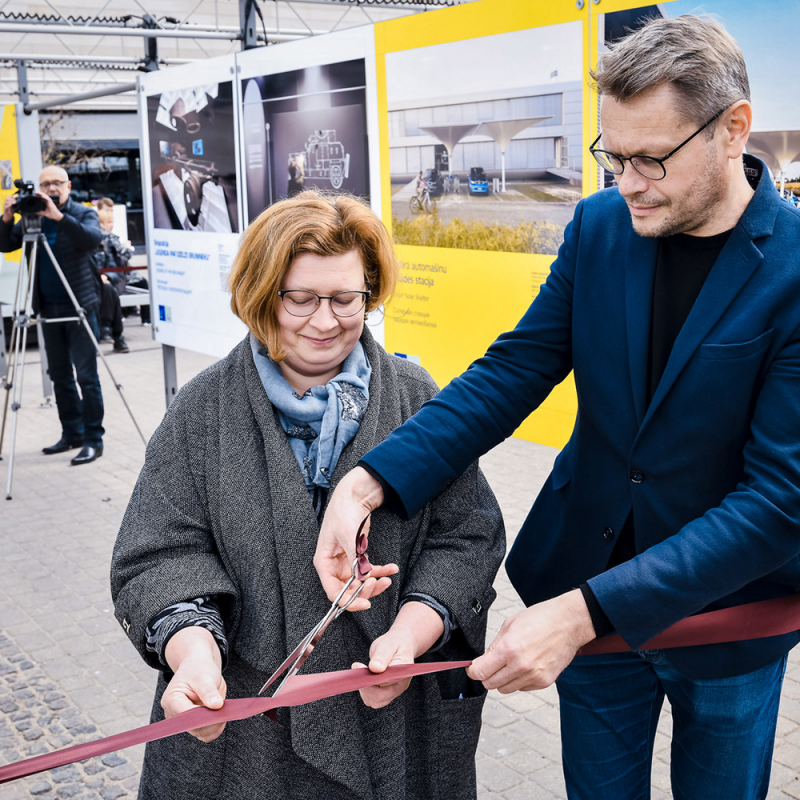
<point x="24" y="317"/>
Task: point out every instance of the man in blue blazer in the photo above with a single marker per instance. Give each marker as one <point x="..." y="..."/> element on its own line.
<point x="675" y="299"/>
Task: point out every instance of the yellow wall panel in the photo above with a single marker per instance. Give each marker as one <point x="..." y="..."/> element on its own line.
<point x="451" y="303"/>
<point x="9" y="151"/>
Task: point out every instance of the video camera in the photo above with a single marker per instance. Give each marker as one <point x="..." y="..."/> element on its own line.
<point x="28" y="205"/>
<point x="28" y="202"/>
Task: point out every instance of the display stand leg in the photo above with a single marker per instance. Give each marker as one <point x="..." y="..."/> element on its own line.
<point x="170" y="373"/>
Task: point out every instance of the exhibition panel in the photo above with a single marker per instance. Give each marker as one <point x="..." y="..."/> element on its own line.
<point x="224" y="139"/>
<point x="488" y="102"/>
<point x="465" y="127"/>
<point x="193" y="208"/>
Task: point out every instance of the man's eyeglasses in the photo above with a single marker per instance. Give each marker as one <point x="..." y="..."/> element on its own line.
<point x="650" y="167"/>
<point x="52" y="184"/>
<point x="302" y="303"/>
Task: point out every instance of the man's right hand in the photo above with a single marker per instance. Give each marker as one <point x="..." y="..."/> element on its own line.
<point x="8" y="208"/>
<point x="357" y="495"/>
<point x="193" y="655"/>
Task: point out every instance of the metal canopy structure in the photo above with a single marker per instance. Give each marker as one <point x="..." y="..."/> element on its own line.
<point x="52" y="53"/>
<point x="779" y="149"/>
<point x="450" y="136"/>
<point x="503" y="131"/>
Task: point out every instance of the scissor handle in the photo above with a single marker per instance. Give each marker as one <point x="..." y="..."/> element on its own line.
<point x="295" y="660"/>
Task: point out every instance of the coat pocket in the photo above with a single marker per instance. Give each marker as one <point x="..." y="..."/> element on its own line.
<point x="737" y="349"/>
<point x="459" y="732"/>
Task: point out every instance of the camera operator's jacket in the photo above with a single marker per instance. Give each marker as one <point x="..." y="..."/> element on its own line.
<point x="79" y="233"/>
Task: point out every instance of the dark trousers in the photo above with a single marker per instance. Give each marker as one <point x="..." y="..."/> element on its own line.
<point x="111" y="310"/>
<point x="70" y="353"/>
<point x="723" y="729"/>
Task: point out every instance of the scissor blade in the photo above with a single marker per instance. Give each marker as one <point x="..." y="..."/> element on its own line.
<point x="290" y="659"/>
<point x="293" y="663"/>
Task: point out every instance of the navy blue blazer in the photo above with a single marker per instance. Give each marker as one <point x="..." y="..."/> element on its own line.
<point x="710" y="468"/>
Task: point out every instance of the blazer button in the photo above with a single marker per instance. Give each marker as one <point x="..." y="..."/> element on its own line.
<point x="608" y="534"/>
<point x="637" y="476"/>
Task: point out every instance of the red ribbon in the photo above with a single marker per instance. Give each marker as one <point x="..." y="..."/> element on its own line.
<point x="774" y="617"/>
<point x="298" y="690"/>
<point x="739" y="623"/>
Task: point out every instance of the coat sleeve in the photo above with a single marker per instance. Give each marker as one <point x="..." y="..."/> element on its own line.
<point x="10" y="236"/>
<point x="460" y="546"/>
<point x="165" y="550"/>
<point x="487" y="403"/>
<point x="463" y="548"/>
<point x="83" y="230"/>
<point x="752" y="532"/>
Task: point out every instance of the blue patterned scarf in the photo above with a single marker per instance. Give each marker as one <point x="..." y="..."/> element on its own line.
<point x="321" y="422"/>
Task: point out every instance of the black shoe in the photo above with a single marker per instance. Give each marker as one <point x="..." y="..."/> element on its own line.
<point x="87" y="455"/>
<point x="120" y="345"/>
<point x="105" y="335"/>
<point x="62" y="445"/>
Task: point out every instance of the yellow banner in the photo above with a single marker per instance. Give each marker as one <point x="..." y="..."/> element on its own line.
<point x="454" y="300"/>
<point x="9" y="159"/>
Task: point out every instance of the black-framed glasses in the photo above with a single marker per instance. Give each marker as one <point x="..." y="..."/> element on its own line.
<point x="650" y="167"/>
<point x="303" y="303"/>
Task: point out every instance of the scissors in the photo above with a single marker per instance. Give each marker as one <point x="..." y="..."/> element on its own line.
<point x="295" y="660"/>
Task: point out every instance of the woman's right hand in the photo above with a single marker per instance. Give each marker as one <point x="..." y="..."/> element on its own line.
<point x="193" y="655"/>
<point x="357" y="495"/>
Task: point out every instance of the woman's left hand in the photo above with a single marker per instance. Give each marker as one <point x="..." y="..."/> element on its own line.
<point x="392" y="648"/>
<point x="416" y="628"/>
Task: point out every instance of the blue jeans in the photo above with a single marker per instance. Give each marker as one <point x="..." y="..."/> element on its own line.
<point x="68" y="344"/>
<point x="723" y="729"/>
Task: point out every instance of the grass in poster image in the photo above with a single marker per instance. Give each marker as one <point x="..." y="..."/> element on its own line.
<point x="536" y="194"/>
<point x="529" y="217"/>
<point x="526" y="237"/>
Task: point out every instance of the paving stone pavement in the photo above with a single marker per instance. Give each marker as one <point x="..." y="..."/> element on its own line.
<point x="68" y="673"/>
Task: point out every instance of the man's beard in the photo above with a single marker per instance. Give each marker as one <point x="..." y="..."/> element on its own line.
<point x="685" y="214"/>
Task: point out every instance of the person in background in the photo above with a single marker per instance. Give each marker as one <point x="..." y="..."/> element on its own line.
<point x="73" y="233"/>
<point x="675" y="298"/>
<point x="212" y="575"/>
<point x="119" y="253"/>
<point x="111" y="253"/>
<point x="420" y="186"/>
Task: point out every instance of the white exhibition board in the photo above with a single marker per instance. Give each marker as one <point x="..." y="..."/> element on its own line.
<point x="222" y="139"/>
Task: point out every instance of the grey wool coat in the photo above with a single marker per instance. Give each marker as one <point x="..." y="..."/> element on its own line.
<point x="220" y="508"/>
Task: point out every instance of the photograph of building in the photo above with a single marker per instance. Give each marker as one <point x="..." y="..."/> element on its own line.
<point x="485" y="140"/>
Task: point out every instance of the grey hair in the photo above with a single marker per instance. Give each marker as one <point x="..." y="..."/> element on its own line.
<point x="694" y="54"/>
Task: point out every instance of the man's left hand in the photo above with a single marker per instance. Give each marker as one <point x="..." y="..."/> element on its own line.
<point x="52" y="211"/>
<point x="536" y="645"/>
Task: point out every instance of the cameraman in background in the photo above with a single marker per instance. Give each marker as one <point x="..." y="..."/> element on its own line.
<point x="73" y="233"/>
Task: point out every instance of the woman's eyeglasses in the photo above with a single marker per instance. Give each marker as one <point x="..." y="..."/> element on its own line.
<point x="303" y="303"/>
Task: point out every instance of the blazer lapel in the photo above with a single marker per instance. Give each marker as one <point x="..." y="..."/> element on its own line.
<point x="736" y="263"/>
<point x="640" y="266"/>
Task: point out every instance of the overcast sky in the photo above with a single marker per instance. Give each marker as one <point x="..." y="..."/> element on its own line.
<point x="506" y="60"/>
<point x="766" y="31"/>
